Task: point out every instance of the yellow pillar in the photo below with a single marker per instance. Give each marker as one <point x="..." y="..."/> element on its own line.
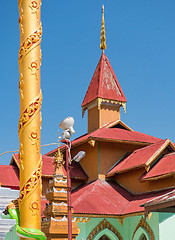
<point x="30" y="119"/>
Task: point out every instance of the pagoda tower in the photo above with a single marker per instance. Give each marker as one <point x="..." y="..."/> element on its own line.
<point x="55" y="225"/>
<point x="104" y="96"/>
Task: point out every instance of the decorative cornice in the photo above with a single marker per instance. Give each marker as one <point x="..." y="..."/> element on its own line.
<point x="145" y="225"/>
<point x="102" y="225"/>
<point x="102" y="101"/>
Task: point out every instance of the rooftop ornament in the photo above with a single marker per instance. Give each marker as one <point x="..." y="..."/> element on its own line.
<point x="103" y="37"/>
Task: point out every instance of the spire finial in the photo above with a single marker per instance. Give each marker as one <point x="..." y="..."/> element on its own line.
<point x="58" y="160"/>
<point x="103" y="37"/>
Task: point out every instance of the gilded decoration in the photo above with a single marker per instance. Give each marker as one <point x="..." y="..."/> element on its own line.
<point x="145" y="225"/>
<point x="34" y="69"/>
<point x="101" y="226"/>
<point x="21" y="84"/>
<point x="30" y="112"/>
<point x="29" y="120"/>
<point x="31" y="183"/>
<point x="21" y="18"/>
<point x="29" y="42"/>
<point x="103" y="37"/>
<point x="34" y="137"/>
<point x="34" y="8"/>
<point x="21" y="155"/>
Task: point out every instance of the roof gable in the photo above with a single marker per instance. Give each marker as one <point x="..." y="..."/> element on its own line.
<point x="104" y="84"/>
<point x="164" y="167"/>
<point x="142" y="157"/>
<point x="118" y="124"/>
<point x="77" y="172"/>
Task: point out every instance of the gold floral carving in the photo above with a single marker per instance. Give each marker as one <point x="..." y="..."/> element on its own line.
<point x="34" y="68"/>
<point x="21" y="155"/>
<point x="21" y="84"/>
<point x="145" y="225"/>
<point x="21" y="18"/>
<point x="34" y="137"/>
<point x="29" y="42"/>
<point x="31" y="183"/>
<point x="34" y="7"/>
<point x="101" y="226"/>
<point x="29" y="112"/>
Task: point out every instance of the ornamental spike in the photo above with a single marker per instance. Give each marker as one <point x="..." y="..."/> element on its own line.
<point x="103" y="37"/>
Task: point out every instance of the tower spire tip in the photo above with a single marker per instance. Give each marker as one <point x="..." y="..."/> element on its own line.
<point x="103" y="37"/>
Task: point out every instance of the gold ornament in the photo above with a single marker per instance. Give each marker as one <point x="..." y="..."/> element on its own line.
<point x="144" y="224"/>
<point x="102" y="225"/>
<point x="103" y="37"/>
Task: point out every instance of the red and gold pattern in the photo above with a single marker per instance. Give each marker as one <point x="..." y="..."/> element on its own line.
<point x="29" y="112"/>
<point x="33" y="39"/>
<point x="30" y="184"/>
<point x="30" y="120"/>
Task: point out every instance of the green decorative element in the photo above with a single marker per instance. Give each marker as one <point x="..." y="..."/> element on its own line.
<point x="25" y="232"/>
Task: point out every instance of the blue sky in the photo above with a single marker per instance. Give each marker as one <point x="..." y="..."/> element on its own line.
<point x="140" y="47"/>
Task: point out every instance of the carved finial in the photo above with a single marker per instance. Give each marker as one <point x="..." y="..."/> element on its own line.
<point x="58" y="160"/>
<point x="103" y="37"/>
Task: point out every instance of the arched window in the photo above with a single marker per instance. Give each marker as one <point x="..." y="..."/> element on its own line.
<point x="143" y="237"/>
<point x="104" y="237"/>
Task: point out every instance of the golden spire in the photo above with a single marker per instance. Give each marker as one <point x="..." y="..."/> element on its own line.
<point x="103" y="37"/>
<point x="58" y="160"/>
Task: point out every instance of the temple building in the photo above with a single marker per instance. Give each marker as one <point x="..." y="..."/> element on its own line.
<point x="124" y="187"/>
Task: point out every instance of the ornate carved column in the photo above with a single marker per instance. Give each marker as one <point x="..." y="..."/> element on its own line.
<point x="30" y="119"/>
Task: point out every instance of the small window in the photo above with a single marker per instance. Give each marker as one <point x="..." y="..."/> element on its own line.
<point x="104" y="237"/>
<point x="143" y="237"/>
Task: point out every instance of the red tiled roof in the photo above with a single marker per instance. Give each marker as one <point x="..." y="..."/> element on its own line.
<point x="113" y="134"/>
<point x="9" y="177"/>
<point x="104" y="83"/>
<point x="166" y="165"/>
<point x="100" y="197"/>
<point x="48" y="168"/>
<point x="77" y="171"/>
<point x="112" y="199"/>
<point x="138" y="158"/>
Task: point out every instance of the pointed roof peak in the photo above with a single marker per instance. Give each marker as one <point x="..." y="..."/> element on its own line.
<point x="103" y="37"/>
<point x="104" y="84"/>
